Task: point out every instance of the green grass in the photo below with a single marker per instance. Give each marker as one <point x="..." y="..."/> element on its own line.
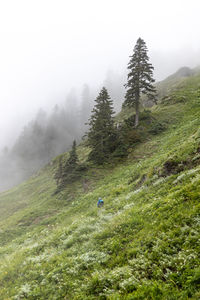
<point x="144" y="243"/>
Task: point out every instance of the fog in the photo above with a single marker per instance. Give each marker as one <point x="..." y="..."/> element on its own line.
<point x="50" y="48"/>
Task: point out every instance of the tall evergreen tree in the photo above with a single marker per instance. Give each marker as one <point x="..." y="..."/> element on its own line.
<point x="140" y="78"/>
<point x="101" y="132"/>
<point x="73" y="157"/>
<point x="70" y="171"/>
<point x="72" y="162"/>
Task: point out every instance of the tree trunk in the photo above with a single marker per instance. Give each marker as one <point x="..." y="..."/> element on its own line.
<point x="137" y="112"/>
<point x="102" y="145"/>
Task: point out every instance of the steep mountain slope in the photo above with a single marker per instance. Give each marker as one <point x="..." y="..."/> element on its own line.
<point x="175" y="80"/>
<point x="144" y="243"/>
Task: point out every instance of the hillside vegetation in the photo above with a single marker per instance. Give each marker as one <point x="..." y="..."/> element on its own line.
<point x="143" y="244"/>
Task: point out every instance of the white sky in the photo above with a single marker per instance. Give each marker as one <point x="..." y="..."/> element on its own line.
<point x="49" y="46"/>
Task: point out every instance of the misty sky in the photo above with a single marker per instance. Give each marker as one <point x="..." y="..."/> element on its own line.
<point x="50" y="46"/>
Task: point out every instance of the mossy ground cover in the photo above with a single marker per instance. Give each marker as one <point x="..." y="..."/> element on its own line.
<point x="144" y="242"/>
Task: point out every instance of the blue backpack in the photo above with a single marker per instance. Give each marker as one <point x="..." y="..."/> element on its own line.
<point x="100" y="203"/>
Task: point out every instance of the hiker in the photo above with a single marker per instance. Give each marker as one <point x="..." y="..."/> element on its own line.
<point x="100" y="203"/>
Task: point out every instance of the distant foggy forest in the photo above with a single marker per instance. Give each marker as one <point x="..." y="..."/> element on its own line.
<point x="50" y="134"/>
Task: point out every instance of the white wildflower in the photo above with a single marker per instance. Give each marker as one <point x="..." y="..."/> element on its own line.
<point x="127" y="206"/>
<point x="179" y="178"/>
<point x="159" y="181"/>
<point x="139" y="190"/>
<point x="196" y="178"/>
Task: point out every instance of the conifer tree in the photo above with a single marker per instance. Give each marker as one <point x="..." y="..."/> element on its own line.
<point x="70" y="171"/>
<point x="101" y="132"/>
<point x="70" y="167"/>
<point x="73" y="157"/>
<point x="140" y="78"/>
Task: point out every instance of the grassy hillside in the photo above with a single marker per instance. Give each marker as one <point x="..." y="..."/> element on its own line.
<point x="144" y="243"/>
<point x="172" y="82"/>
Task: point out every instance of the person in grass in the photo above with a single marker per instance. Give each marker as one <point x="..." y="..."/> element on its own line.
<point x="100" y="203"/>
